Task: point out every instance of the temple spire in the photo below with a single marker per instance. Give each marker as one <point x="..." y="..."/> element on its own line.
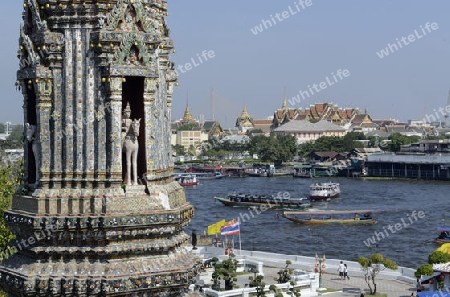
<point x="187" y="115"/>
<point x="244" y="121"/>
<point x="284" y="107"/>
<point x="244" y="114"/>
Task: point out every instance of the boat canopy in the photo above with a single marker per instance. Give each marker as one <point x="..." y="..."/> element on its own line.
<point x="443" y="229"/>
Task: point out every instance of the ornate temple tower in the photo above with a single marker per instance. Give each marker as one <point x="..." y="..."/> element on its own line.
<point x="97" y="83"/>
<point x="244" y="122"/>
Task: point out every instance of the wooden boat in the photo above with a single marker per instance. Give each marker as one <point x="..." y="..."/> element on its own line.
<point x="324" y="191"/>
<point x="270" y="201"/>
<point x="444" y="236"/>
<point x="347" y="217"/>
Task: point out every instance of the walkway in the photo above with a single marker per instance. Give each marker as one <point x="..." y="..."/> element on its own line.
<point x="352" y="287"/>
<point x="346" y="288"/>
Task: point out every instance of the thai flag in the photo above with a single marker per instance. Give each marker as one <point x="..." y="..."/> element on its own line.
<point x="230" y="229"/>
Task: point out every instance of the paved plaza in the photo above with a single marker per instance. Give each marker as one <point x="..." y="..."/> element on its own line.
<point x="389" y="285"/>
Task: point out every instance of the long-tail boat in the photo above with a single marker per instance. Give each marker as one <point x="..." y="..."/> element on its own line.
<point x="344" y="217"/>
<point x="444" y="235"/>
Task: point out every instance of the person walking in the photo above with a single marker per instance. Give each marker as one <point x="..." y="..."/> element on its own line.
<point x="341" y="270"/>
<point x="346" y="272"/>
<point x="418" y="286"/>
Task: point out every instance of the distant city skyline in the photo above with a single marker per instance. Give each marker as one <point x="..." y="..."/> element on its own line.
<point x="398" y="65"/>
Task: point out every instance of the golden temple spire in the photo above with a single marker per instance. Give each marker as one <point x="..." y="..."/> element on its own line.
<point x="244" y="114"/>
<point x="284" y="107"/>
<point x="187" y="115"/>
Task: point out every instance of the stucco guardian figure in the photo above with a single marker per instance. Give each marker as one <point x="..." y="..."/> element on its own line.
<point x="130" y="144"/>
<point x="31" y="137"/>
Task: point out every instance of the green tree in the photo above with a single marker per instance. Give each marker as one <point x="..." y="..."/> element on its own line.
<point x="380" y="142"/>
<point x="191" y="150"/>
<point x="216" y="274"/>
<point x="333" y="143"/>
<point x="435" y="257"/>
<point x="424" y="269"/>
<point x="306" y="149"/>
<point x="10" y="177"/>
<point x="188" y="127"/>
<point x="349" y="141"/>
<point x="253" y="132"/>
<point x="438" y="257"/>
<point x="397" y="140"/>
<point x="288" y="147"/>
<point x="179" y="150"/>
<point x="256" y="281"/>
<point x="275" y="291"/>
<point x="284" y="275"/>
<point x="271" y="149"/>
<point x="229" y="272"/>
<point x="2" y="128"/>
<point x="373" y="266"/>
<point x="15" y="139"/>
<point x="226" y="271"/>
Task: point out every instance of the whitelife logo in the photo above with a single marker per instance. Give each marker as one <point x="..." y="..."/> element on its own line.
<point x="196" y="62"/>
<point x="266" y="24"/>
<point x="391" y="48"/>
<point x="319" y="87"/>
<point x="378" y="236"/>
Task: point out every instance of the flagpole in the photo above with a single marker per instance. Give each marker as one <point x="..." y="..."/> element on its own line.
<point x="240" y="248"/>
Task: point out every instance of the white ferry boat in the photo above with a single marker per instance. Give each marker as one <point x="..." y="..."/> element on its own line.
<point x="324" y="191"/>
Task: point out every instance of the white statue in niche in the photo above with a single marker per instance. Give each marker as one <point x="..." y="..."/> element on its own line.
<point x="31" y="135"/>
<point x="130" y="144"/>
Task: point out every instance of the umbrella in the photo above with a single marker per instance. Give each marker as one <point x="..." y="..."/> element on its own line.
<point x="445" y="248"/>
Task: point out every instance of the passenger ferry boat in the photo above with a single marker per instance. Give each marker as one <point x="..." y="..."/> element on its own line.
<point x="186" y="180"/>
<point x="270" y="201"/>
<point x="324" y="191"/>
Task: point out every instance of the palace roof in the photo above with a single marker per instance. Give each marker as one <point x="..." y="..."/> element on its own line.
<point x="307" y="126"/>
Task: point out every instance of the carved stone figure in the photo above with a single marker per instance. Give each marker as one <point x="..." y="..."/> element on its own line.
<point x="32" y="138"/>
<point x="126" y="121"/>
<point x="130" y="144"/>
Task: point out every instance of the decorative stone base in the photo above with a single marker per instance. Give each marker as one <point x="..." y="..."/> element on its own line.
<point x="117" y="254"/>
<point x="175" y="270"/>
<point x="137" y="190"/>
<point x="99" y="201"/>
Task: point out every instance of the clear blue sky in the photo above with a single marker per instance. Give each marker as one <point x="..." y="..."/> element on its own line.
<point x="301" y="50"/>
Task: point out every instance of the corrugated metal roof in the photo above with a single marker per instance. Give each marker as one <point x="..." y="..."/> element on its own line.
<point x="414" y="159"/>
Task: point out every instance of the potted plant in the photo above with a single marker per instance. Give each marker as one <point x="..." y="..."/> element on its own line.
<point x="215" y="275"/>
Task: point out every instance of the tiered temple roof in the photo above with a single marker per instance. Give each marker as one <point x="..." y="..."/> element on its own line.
<point x="315" y="112"/>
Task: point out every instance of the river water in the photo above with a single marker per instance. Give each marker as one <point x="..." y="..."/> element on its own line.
<point x="393" y="202"/>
